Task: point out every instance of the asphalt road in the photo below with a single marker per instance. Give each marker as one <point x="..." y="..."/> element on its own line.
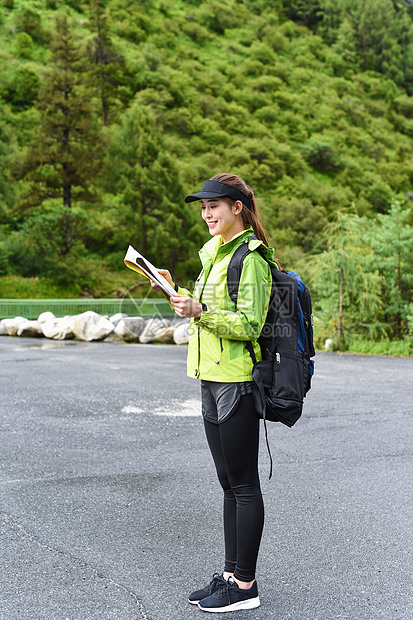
<point x="111" y="510"/>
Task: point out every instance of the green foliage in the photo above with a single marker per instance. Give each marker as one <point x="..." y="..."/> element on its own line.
<point x="346" y="283"/>
<point x="107" y="64"/>
<point x="392" y="243"/>
<point x="217" y="17"/>
<point x="43" y="239"/>
<point x="363" y="281"/>
<point x="23" y="44"/>
<point x="322" y="156"/>
<point x="7" y="150"/>
<point x="135" y="104"/>
<point x="29" y="20"/>
<point x="145" y="179"/>
<point x="400" y="348"/>
<point x="64" y="159"/>
<point x="17" y="287"/>
<point x="21" y="87"/>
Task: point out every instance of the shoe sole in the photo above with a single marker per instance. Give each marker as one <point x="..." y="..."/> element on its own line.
<point x="194" y="602"/>
<point x="251" y="603"/>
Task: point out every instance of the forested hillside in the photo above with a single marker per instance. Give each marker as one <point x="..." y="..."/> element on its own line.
<point x="112" y="111"/>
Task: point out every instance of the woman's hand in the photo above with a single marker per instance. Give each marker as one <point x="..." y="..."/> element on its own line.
<point x="186" y="306"/>
<point x="165" y="273"/>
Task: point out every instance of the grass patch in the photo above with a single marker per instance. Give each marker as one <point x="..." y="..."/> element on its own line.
<point x="110" y="284"/>
<point x="363" y="346"/>
<point x="400" y="348"/>
<point x="17" y="287"/>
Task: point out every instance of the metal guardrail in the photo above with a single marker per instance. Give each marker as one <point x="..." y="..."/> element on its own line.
<point x="31" y="308"/>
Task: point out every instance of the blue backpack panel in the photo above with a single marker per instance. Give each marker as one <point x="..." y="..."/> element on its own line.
<point x="283" y="377"/>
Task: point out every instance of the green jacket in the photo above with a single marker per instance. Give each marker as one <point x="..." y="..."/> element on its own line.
<point x="217" y="349"/>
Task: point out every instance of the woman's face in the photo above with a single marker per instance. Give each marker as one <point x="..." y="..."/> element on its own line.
<point x="221" y="218"/>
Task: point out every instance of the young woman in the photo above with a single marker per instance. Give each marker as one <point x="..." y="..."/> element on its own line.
<point x="217" y="355"/>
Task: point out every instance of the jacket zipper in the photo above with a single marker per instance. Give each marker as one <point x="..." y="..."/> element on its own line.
<point x="199" y="334"/>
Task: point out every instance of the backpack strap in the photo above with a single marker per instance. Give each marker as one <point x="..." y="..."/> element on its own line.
<point x="233" y="279"/>
<point x="235" y="268"/>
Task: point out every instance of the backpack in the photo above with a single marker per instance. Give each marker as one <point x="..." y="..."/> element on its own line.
<point x="283" y="377"/>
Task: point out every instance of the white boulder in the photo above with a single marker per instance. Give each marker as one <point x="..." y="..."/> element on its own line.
<point x="166" y="336"/>
<point x="30" y="329"/>
<point x="45" y="316"/>
<point x="58" y="329"/>
<point x="130" y="328"/>
<point x="329" y="345"/>
<point x="116" y="318"/>
<point x="91" y="326"/>
<point x="12" y="325"/>
<point x="153" y="328"/>
<point x="181" y="333"/>
<point x="3" y="331"/>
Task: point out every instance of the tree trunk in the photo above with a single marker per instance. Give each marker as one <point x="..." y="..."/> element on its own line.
<point x="67" y="193"/>
<point x="399" y="291"/>
<point x="340" y="308"/>
<point x="144" y="231"/>
<point x="105" y="107"/>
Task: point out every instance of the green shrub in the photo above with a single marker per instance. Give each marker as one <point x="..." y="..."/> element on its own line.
<point x="404" y="105"/>
<point x="196" y="32"/>
<point x="262" y="53"/>
<point x="276" y="40"/>
<point x="53" y="4"/>
<point x="217" y="17"/>
<point x="16" y="287"/>
<point x="22" y="87"/>
<point x="266" y="83"/>
<point x="29" y="20"/>
<point x="379" y="196"/>
<point x="322" y="156"/>
<point x="402" y="348"/>
<point x="268" y="114"/>
<point x="77" y="5"/>
<point x="23" y="44"/>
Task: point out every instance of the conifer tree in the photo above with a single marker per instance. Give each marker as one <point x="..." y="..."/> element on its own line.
<point x="106" y="63"/>
<point x="65" y="158"/>
<point x="145" y="178"/>
<point x="7" y="189"/>
<point x="306" y="11"/>
<point x="368" y="37"/>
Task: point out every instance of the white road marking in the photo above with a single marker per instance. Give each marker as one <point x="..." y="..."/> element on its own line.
<point x="131" y="409"/>
<point x="188" y="408"/>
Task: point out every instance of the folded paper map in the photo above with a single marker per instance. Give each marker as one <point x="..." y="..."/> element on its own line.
<point x="141" y="265"/>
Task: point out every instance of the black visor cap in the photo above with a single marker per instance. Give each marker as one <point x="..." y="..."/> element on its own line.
<point x="216" y="189"/>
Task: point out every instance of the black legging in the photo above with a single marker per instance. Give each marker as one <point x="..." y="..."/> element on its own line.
<point x="234" y="447"/>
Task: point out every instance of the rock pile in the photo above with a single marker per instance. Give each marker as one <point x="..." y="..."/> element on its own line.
<point x="91" y="326"/>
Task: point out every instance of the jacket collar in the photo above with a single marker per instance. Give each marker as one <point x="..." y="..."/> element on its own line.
<point x="215" y="245"/>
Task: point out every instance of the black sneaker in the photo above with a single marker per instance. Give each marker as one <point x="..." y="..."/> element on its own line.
<point x="230" y="597"/>
<point x="216" y="581"/>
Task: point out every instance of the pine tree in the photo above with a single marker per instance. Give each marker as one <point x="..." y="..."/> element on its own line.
<point x="309" y="12"/>
<point x="346" y="44"/>
<point x="65" y="158"/>
<point x="107" y="64"/>
<point x="7" y="148"/>
<point x="145" y="179"/>
<point x="368" y="37"/>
